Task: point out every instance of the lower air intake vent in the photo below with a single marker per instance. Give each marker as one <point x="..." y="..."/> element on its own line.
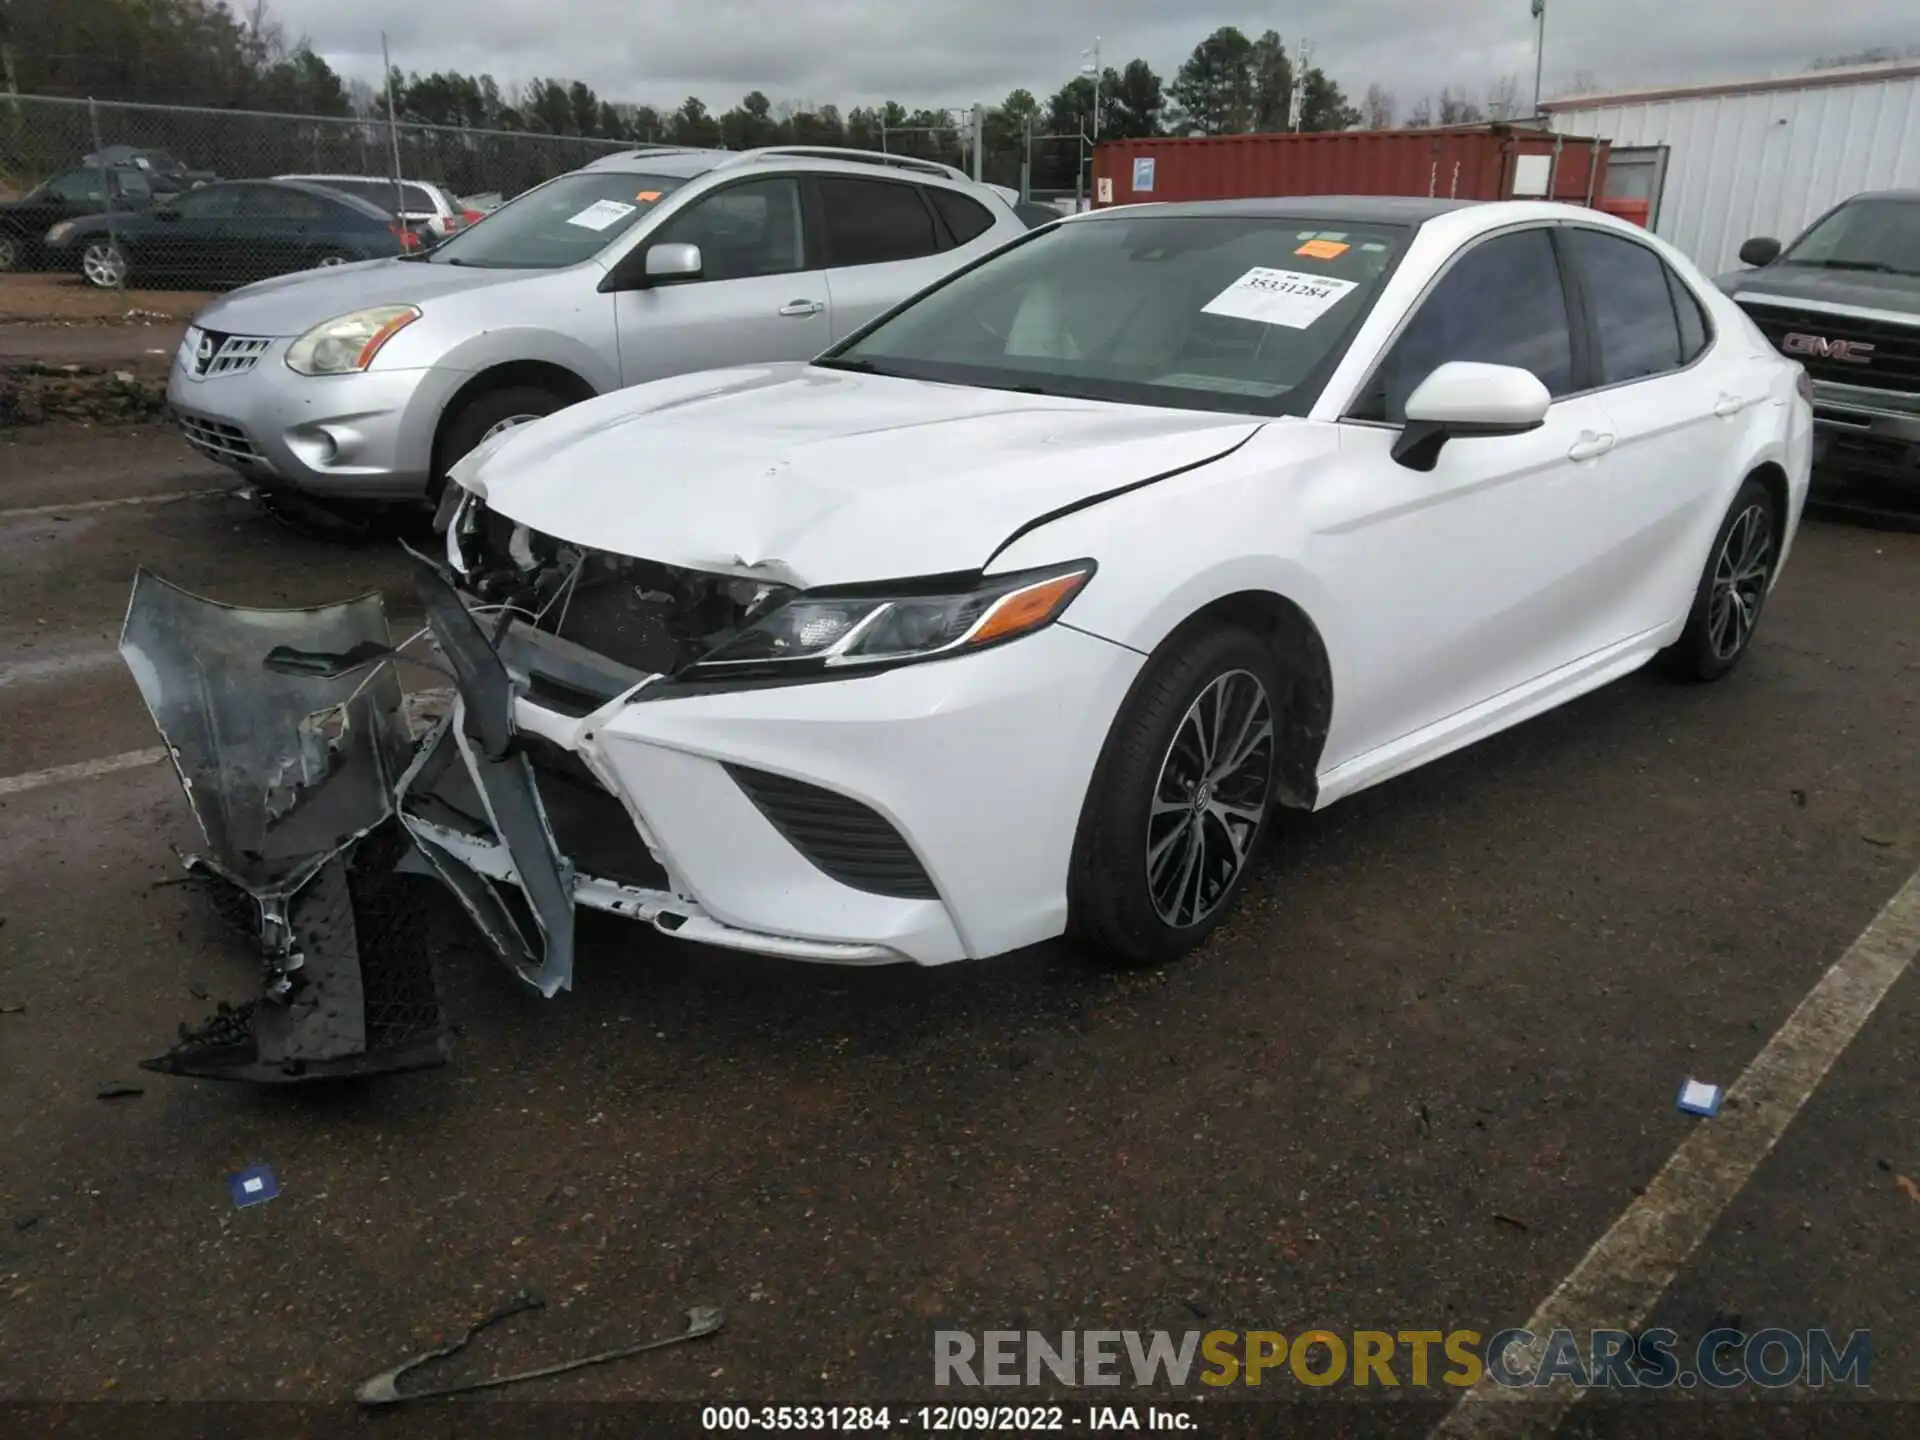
<point x="849" y="842"/>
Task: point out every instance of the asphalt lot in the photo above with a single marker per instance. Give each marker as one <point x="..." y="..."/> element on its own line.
<point x="1426" y="1066"/>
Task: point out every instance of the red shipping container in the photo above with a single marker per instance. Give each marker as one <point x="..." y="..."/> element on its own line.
<point x="1636" y="211"/>
<point x="1463" y="162"/>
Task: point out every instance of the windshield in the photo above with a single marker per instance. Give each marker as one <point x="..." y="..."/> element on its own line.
<point x="381" y="193"/>
<point x="1215" y="312"/>
<point x="561" y="223"/>
<point x="1875" y="235"/>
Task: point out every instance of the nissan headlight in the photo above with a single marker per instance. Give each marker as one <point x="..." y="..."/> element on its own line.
<point x="59" y="233"/>
<point x="347" y="344"/>
<point x="822" y="633"/>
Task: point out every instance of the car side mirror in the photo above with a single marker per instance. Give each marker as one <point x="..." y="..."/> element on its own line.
<point x="1464" y="398"/>
<point x="1761" y="250"/>
<point x="666" y="264"/>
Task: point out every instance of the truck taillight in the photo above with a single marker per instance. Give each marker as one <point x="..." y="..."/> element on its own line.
<point x="471" y="217"/>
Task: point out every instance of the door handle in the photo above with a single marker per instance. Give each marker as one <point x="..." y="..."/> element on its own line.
<point x="1590" y="446"/>
<point x="1729" y="405"/>
<point x="802" y="307"/>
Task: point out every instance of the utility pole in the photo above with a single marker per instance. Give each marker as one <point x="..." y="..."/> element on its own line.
<point x="1297" y="108"/>
<point x="979" y="141"/>
<point x="1091" y="135"/>
<point x="393" y="130"/>
<point x="1539" y="50"/>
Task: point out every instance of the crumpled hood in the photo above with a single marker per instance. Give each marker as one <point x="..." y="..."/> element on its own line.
<point x="293" y="304"/>
<point x="807" y="476"/>
<point x="1898" y="293"/>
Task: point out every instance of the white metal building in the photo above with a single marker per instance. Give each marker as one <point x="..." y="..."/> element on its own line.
<point x="1723" y="163"/>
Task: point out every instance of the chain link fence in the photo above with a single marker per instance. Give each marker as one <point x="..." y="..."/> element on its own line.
<point x="120" y="195"/>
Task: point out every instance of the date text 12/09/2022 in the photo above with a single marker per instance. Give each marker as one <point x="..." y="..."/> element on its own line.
<point x="943" y="1419"/>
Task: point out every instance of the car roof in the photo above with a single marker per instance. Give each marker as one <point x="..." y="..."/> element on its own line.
<point x="686" y="162"/>
<point x="1357" y="209"/>
<point x="1907" y="195"/>
<point x="305" y="187"/>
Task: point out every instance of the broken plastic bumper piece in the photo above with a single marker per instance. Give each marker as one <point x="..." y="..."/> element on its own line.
<point x="290" y="776"/>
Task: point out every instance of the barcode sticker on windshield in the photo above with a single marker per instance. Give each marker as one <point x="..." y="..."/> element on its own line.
<point x="1279" y="297"/>
<point x="601" y="214"/>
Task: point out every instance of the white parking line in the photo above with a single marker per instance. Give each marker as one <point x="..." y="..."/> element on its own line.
<point x="56" y="667"/>
<point x="1631" y="1266"/>
<point x="81" y="507"/>
<point x="83" y="770"/>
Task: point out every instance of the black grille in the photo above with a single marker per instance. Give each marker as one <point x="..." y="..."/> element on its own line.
<point x="216" y="439"/>
<point x="846" y="840"/>
<point x="591" y="827"/>
<point x="1892" y="364"/>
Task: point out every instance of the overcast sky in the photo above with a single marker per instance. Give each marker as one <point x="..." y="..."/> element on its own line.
<point x="936" y="53"/>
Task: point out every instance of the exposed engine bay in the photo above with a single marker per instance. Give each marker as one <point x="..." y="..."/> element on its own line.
<point x="640" y="614"/>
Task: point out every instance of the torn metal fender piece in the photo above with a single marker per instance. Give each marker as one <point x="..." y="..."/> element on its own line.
<point x="281" y="770"/>
<point x="384" y="1389"/>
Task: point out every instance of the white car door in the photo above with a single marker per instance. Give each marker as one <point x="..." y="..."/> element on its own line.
<point x="760" y="297"/>
<point x="1452" y="586"/>
<point x="883" y="242"/>
<point x="1674" y="406"/>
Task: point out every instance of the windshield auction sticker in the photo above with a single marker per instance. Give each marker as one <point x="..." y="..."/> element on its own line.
<point x="601" y="214"/>
<point x="1279" y="297"/>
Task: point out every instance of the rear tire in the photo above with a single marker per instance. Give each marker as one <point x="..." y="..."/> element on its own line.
<point x="9" y="253"/>
<point x="1733" y="588"/>
<point x="1179" y="799"/>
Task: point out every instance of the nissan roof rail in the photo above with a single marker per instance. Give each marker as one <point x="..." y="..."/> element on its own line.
<point x="857" y="157"/>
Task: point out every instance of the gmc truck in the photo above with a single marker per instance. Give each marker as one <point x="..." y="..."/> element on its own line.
<point x="1844" y="300"/>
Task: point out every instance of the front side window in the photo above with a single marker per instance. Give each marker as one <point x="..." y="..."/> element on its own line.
<point x="78" y="187"/>
<point x="1872" y="235"/>
<point x="560" y="223"/>
<point x="871" y="222"/>
<point x="1633" y="314"/>
<point x="216" y="202"/>
<point x="742" y="231"/>
<point x="265" y="202"/>
<point x="1235" y="313"/>
<point x="1500" y="303"/>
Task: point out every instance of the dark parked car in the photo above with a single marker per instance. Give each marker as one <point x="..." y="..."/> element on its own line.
<point x="169" y="174"/>
<point x="229" y="233"/>
<point x="83" y="190"/>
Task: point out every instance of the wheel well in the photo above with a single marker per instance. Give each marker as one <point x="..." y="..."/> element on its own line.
<point x="557" y="378"/>
<point x="1775" y="479"/>
<point x="1302" y="655"/>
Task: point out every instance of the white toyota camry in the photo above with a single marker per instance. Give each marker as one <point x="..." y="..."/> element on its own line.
<point x="1016" y="612"/>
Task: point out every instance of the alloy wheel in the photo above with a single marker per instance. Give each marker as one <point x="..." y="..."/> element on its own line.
<point x="506" y="424"/>
<point x="1740" y="574"/>
<point x="9" y="252"/>
<point x="1210" y="798"/>
<point x="327" y="262"/>
<point x="104" y="265"/>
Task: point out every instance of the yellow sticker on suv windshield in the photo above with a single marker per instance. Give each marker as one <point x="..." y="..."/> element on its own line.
<point x="1323" y="250"/>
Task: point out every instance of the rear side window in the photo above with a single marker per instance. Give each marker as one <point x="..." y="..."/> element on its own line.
<point x="967" y="219"/>
<point x="1693" y="320"/>
<point x="871" y="222"/>
<point x="1501" y="303"/>
<point x="1633" y="310"/>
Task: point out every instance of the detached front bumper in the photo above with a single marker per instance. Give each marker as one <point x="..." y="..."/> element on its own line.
<point x="926" y="814"/>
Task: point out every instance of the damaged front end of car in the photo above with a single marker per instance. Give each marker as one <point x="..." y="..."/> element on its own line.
<point x="289" y="731"/>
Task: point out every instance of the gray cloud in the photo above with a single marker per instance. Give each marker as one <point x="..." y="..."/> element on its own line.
<point x="924" y="52"/>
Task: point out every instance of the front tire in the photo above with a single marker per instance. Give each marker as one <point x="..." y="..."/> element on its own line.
<point x="1179" y="799"/>
<point x="10" y="253"/>
<point x="1733" y="588"/>
<point x="104" y="264"/>
<point x="484" y="416"/>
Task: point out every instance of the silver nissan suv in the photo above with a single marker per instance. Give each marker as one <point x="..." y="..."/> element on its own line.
<point x="365" y="382"/>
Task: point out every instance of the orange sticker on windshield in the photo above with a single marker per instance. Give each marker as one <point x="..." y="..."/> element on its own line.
<point x="649" y="196"/>
<point x="1323" y="250"/>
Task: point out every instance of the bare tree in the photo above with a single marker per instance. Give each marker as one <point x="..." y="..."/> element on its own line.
<point x="1376" y="111"/>
<point x="1420" y="117"/>
<point x="1458" y="109"/>
<point x="1584" y="83"/>
<point x="1503" y="99"/>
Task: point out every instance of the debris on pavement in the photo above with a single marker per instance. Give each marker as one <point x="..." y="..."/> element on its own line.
<point x="1799" y="798"/>
<point x="1907" y="1188"/>
<point x="384" y="1389"/>
<point x="27" y="1221"/>
<point x="198" y="992"/>
<point x="14" y="1009"/>
<point x="1697" y="1097"/>
<point x="118" y="1090"/>
<point x="254" y="1185"/>
<point x="1516" y="1223"/>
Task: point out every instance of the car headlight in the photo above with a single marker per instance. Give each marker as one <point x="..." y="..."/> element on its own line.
<point x="59" y="233"/>
<point x="821" y="633"/>
<point x="348" y="343"/>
